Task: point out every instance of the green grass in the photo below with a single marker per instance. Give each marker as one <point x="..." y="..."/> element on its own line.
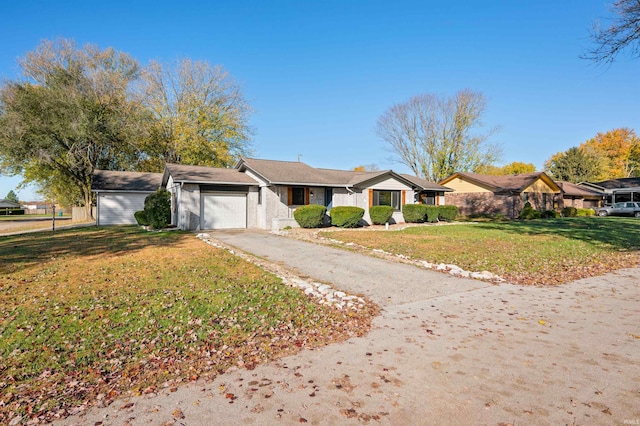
<point x="112" y="311"/>
<point x="549" y="251"/>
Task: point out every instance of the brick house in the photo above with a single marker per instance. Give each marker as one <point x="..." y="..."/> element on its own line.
<point x="485" y="194"/>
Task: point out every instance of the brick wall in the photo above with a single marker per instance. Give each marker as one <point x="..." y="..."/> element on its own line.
<point x="486" y="203"/>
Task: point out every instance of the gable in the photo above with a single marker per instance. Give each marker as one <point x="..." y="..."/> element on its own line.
<point x="541" y="187"/>
<point x="388" y="183"/>
<point x="463" y="186"/>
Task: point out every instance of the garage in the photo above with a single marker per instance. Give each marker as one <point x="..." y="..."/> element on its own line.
<point x="118" y="208"/>
<point x="223" y="210"/>
<point x="120" y="194"/>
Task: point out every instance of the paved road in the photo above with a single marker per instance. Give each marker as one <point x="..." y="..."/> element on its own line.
<point x="444" y="351"/>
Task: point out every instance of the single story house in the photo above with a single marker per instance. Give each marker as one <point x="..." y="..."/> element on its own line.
<point x="264" y="193"/>
<point x="8" y="204"/>
<point x="616" y="190"/>
<point x="120" y="194"/>
<point x="579" y="196"/>
<point x="486" y="194"/>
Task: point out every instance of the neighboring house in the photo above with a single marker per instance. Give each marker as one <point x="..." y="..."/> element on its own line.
<point x="120" y="194"/>
<point x="506" y="195"/>
<point x="579" y="196"/>
<point x="265" y="193"/>
<point x="8" y="204"/>
<point x="617" y="190"/>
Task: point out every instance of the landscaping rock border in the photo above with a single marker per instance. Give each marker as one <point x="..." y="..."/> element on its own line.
<point x="322" y="292"/>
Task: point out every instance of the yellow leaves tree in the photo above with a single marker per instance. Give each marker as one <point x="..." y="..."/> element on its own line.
<point x="198" y="116"/>
<point x="514" y="168"/>
<point x="617" y="150"/>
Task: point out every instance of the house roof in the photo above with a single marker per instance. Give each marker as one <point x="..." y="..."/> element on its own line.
<point x="612" y="184"/>
<point x="425" y="184"/>
<point x="8" y="204"/>
<point x="297" y="173"/>
<point x="505" y="183"/>
<point x="204" y="174"/>
<point x="109" y="180"/>
<point x="574" y="190"/>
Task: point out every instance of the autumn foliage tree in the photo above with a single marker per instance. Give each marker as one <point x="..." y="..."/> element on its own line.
<point x="618" y="151"/>
<point x="514" y="168"/>
<point x="573" y="165"/>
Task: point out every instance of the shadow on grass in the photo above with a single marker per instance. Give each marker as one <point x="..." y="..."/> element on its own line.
<point x="18" y="251"/>
<point x="617" y="232"/>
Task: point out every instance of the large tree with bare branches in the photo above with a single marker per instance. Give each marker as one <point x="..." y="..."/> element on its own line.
<point x="436" y="136"/>
<point x="622" y="33"/>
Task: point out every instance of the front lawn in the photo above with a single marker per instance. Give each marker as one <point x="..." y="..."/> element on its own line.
<point x="90" y="314"/>
<point x="550" y="251"/>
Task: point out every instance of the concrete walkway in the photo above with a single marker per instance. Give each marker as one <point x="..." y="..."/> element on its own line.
<point x="444" y="351"/>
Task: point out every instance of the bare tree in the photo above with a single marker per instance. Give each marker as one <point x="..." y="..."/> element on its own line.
<point x="436" y="136"/>
<point x="622" y="33"/>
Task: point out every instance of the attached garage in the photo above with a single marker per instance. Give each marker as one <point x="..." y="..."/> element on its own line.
<point x="120" y="194"/>
<point x="118" y="208"/>
<point x="223" y="210"/>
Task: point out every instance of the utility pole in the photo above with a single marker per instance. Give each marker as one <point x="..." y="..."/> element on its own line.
<point x="53" y="219"/>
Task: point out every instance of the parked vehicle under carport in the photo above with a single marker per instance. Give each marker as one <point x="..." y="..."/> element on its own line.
<point x="620" y="209"/>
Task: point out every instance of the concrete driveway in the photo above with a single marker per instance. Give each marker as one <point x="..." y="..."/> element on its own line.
<point x="444" y="351"/>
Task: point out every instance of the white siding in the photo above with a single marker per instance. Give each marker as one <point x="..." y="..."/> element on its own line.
<point x="117" y="208"/>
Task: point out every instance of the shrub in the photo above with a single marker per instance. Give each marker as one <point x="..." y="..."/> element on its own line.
<point x="414" y="213"/>
<point x="550" y="214"/>
<point x="569" y="212"/>
<point x="346" y="216"/>
<point x="141" y="218"/>
<point x="11" y="212"/>
<point x="447" y="213"/>
<point x="433" y="214"/>
<point x="157" y="209"/>
<point x="585" y="212"/>
<point x="310" y="216"/>
<point x="528" y="212"/>
<point x="380" y="214"/>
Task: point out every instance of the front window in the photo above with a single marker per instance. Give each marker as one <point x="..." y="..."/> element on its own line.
<point x="387" y="198"/>
<point x="297" y="197"/>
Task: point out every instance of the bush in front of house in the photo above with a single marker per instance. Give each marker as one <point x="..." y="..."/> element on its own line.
<point x="157" y="209"/>
<point x="528" y="213"/>
<point x="550" y="214"/>
<point x="346" y="216"/>
<point x="585" y="212"/>
<point x="569" y="212"/>
<point x="310" y="216"/>
<point x="447" y="213"/>
<point x="433" y="214"/>
<point x="141" y="218"/>
<point x="380" y="214"/>
<point x="414" y="213"/>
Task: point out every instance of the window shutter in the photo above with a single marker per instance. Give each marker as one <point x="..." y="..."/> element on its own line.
<point x="306" y="195"/>
<point x="370" y="197"/>
<point x="404" y="198"/>
<point x="289" y="196"/>
<point x="437" y="197"/>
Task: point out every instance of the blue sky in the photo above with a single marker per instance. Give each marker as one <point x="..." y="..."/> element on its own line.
<point x="319" y="74"/>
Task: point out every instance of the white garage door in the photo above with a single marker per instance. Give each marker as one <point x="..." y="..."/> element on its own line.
<point x="224" y="210"/>
<point x="118" y="208"/>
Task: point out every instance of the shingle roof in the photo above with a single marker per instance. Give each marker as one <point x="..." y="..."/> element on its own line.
<point x="204" y="174"/>
<point x="298" y="173"/>
<point x="618" y="183"/>
<point x="425" y="184"/>
<point x="572" y="189"/>
<point x="109" y="180"/>
<point x="8" y="204"/>
<point x="506" y="183"/>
